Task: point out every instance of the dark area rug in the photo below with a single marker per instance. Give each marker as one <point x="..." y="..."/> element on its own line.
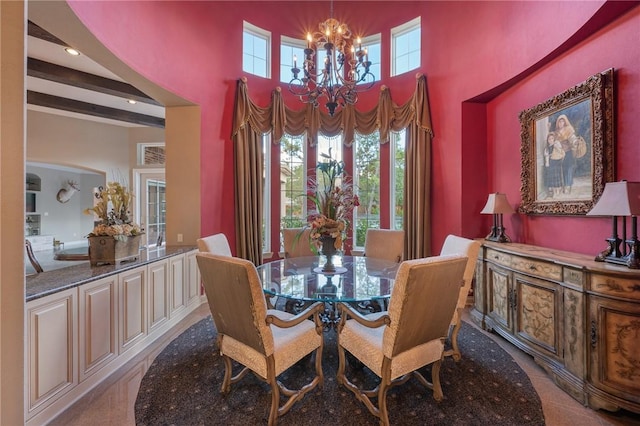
<point x="486" y="387"/>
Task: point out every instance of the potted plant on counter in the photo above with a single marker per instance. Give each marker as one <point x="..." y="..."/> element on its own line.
<point x="114" y="238"/>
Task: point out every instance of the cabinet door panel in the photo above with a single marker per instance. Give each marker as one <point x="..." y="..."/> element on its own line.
<point x="158" y="294"/>
<point x="615" y="347"/>
<point x="177" y="280"/>
<point x="499" y="290"/>
<point x="537" y="313"/>
<point x="98" y="325"/>
<point x="52" y="346"/>
<point x="574" y="332"/>
<point x="132" y="314"/>
<point x="193" y="281"/>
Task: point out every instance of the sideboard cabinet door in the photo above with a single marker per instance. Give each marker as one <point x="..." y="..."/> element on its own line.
<point x="132" y="293"/>
<point x="499" y="297"/>
<point x="614" y="369"/>
<point x="52" y="345"/>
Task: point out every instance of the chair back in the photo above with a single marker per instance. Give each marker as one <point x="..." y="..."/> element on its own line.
<point x="384" y="244"/>
<point x="465" y="247"/>
<point x="236" y="300"/>
<point x="296" y="242"/>
<point x="215" y="244"/>
<point x="422" y="302"/>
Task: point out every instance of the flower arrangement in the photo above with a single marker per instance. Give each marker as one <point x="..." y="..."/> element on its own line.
<point x="112" y="209"/>
<point x="334" y="198"/>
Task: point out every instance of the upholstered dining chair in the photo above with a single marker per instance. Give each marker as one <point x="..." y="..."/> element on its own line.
<point x="266" y="342"/>
<point x="469" y="248"/>
<point x="384" y="244"/>
<point x="216" y="244"/>
<point x="394" y="344"/>
<point x="32" y="257"/>
<point x="296" y="242"/>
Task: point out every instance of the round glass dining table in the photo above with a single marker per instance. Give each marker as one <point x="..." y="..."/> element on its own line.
<point x="363" y="282"/>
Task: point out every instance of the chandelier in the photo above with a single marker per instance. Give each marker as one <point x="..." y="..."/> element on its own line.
<point x="344" y="71"/>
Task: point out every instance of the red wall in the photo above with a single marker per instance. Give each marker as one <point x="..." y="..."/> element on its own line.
<point x="469" y="50"/>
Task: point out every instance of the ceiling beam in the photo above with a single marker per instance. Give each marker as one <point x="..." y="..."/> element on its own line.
<point x="38" y="32"/>
<point x="65" y="104"/>
<point x="83" y="80"/>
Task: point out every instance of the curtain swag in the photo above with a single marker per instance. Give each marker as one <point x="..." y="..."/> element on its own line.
<point x="251" y="121"/>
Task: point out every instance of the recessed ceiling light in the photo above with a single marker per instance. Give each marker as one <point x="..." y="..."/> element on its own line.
<point x="131" y="101"/>
<point x="71" y="51"/>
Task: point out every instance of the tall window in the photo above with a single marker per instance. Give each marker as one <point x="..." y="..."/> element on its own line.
<point x="367" y="179"/>
<point x="372" y="46"/>
<point x="293" y="181"/>
<point x="398" y="170"/>
<point x="266" y="193"/>
<point x="255" y="50"/>
<point x="405" y="47"/>
<point x="289" y="48"/>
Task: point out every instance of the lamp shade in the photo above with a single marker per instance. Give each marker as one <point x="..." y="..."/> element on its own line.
<point x="618" y="199"/>
<point x="497" y="203"/>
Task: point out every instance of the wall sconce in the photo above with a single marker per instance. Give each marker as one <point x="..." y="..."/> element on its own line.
<point x="620" y="199"/>
<point x="497" y="205"/>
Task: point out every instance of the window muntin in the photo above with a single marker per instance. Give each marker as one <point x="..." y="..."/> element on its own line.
<point x="405" y="47"/>
<point x="255" y="50"/>
<point x="398" y="170"/>
<point x="289" y="48"/>
<point x="366" y="173"/>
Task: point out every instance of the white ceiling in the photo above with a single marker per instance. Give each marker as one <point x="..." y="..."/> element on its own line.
<point x="55" y="54"/>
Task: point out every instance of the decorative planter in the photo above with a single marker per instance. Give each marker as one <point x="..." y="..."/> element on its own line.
<point x="105" y="250"/>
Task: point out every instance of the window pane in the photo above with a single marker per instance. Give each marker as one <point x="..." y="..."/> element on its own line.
<point x="406" y="47"/>
<point x="367" y="180"/>
<point x="287" y="53"/>
<point x="292" y="182"/>
<point x="255" y="50"/>
<point x="398" y="164"/>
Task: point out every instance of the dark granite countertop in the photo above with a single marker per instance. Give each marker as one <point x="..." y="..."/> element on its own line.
<point x="50" y="282"/>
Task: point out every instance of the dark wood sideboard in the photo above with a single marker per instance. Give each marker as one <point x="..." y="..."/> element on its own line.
<point x="578" y="318"/>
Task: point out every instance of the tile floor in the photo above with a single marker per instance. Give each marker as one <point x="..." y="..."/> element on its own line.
<point x="112" y="402"/>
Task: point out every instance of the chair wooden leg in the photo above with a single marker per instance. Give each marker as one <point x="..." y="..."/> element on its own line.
<point x="226" y="382"/>
<point x="435" y="380"/>
<point x="275" y="391"/>
<point x="454" y="341"/>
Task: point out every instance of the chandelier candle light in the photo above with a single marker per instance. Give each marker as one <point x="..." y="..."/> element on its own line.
<point x="345" y="70"/>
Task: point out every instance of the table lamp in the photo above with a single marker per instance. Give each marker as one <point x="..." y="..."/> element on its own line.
<point x="620" y="199"/>
<point x="497" y="205"/>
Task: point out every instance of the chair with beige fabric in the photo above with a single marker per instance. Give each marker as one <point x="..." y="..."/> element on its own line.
<point x="264" y="341"/>
<point x="469" y="248"/>
<point x="296" y="242"/>
<point x="394" y="344"/>
<point x="384" y="244"/>
<point x="216" y="244"/>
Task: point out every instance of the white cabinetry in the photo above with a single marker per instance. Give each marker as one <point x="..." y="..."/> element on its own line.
<point x="79" y="336"/>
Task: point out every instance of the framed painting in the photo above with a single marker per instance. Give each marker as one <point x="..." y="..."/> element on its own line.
<point x="567" y="148"/>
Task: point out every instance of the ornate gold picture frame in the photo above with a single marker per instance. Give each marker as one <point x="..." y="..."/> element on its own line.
<point x="568" y="148"/>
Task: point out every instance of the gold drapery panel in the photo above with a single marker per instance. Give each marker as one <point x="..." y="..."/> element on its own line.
<point x="250" y="122"/>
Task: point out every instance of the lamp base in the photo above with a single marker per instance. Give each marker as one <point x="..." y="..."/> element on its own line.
<point x="612" y="254"/>
<point x="497" y="234"/>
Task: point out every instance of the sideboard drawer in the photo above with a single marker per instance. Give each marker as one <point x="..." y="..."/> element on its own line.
<point x="615" y="286"/>
<point x="499" y="257"/>
<point x="573" y="276"/>
<point x="539" y="269"/>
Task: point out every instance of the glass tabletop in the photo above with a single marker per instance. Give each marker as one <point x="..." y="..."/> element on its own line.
<point x="363" y="279"/>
